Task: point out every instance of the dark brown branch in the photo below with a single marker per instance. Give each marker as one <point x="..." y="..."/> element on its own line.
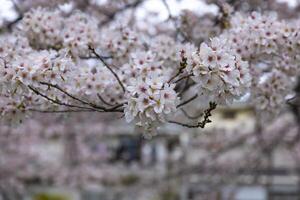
<point x="177" y="74"/>
<point x="293" y="101"/>
<point x="82" y="101"/>
<point x="186" y="87"/>
<point x="94" y="57"/>
<point x="201" y="124"/>
<point x="114" y="106"/>
<point x="72" y="96"/>
<point x="57" y="101"/>
<point x="183" y="64"/>
<point x="103" y="100"/>
<point x="187" y="101"/>
<point x="60" y="111"/>
<point x="173" y="19"/>
<point x="168" y="8"/>
<point x="183" y="78"/>
<point x="108" y="67"/>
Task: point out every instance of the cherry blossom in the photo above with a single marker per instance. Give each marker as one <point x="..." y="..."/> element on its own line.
<point x="59" y="61"/>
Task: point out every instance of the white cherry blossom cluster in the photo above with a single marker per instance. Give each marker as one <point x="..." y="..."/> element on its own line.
<point x="272" y="47"/>
<point x="33" y="68"/>
<point x="161" y="46"/>
<point x="29" y="68"/>
<point x="57" y="62"/>
<point x="221" y="75"/>
<point x="12" y="45"/>
<point x="192" y="25"/>
<point x="145" y="63"/>
<point x="92" y="81"/>
<point x="149" y="95"/>
<point x="43" y="79"/>
<point x="80" y="32"/>
<point x="120" y="41"/>
<point x="270" y="93"/>
<point x="257" y="36"/>
<point x="11" y="110"/>
<point x="42" y="27"/>
<point x="43" y="66"/>
<point x="46" y="28"/>
<point x="149" y="101"/>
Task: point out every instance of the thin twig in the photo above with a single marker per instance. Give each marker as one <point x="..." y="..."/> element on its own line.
<point x="177" y="74"/>
<point x="186" y="87"/>
<point x="115" y="108"/>
<point x="93" y="106"/>
<point x="103" y="100"/>
<point x="57" y="101"/>
<point x="293" y="101"/>
<point x="168" y="9"/>
<point x="108" y="67"/>
<point x="201" y="124"/>
<point x="187" y="101"/>
<point x="173" y="19"/>
<point x="60" y="111"/>
<point x="182" y="78"/>
<point x="183" y="65"/>
<point x="94" y="57"/>
<point x="73" y="97"/>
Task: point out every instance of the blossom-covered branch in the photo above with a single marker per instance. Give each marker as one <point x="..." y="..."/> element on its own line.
<point x="52" y="61"/>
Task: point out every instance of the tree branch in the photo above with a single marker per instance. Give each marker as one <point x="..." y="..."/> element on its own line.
<point x="184" y="77"/>
<point x="108" y="67"/>
<point x="103" y="100"/>
<point x="73" y="97"/>
<point x="187" y="101"/>
<point x="57" y="101"/>
<point x="60" y="111"/>
<point x="201" y="124"/>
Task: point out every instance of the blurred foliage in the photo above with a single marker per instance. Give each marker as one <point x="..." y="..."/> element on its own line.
<point x="169" y="195"/>
<point x="46" y="196"/>
<point x="129" y="180"/>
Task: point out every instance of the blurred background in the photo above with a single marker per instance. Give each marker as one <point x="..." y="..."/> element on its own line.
<point x="95" y="157"/>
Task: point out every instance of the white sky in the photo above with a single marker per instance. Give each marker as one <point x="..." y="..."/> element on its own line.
<point x="176" y="7"/>
<point x="6" y="10"/>
<point x="291" y="3"/>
